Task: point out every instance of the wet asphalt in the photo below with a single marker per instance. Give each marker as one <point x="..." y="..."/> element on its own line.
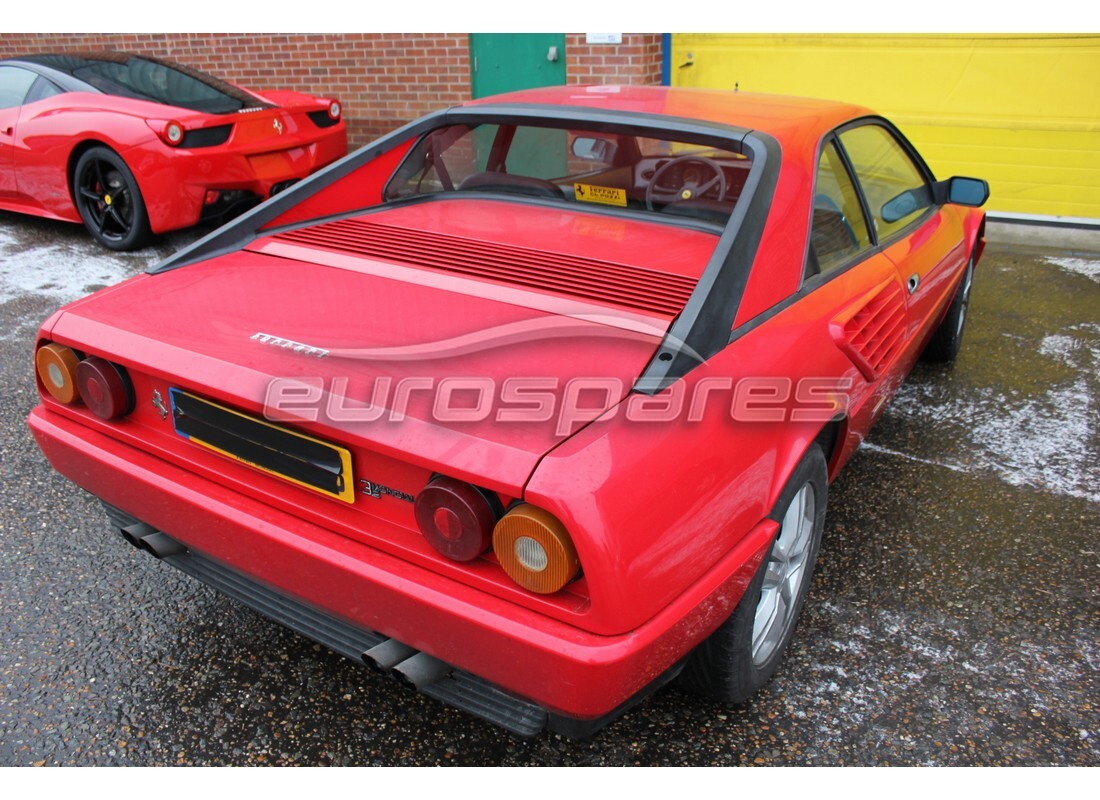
<point x="953" y="620"/>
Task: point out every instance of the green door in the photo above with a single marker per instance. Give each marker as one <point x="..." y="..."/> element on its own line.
<point x="506" y="62"/>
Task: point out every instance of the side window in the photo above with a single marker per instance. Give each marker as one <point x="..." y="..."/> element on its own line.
<point x="894" y="187"/>
<point x="14" y="83"/>
<point x="41" y="90"/>
<point x="838" y="230"/>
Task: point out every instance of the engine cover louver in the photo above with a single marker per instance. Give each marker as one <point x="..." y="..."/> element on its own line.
<point x="647" y="290"/>
<point x="871" y="332"/>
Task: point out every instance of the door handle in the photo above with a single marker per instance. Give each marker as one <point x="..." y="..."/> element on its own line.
<point x="914" y="282"/>
<point x="552" y="53"/>
<point x="7" y="131"/>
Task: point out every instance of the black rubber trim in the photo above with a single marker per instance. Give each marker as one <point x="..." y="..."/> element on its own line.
<point x="703" y="328"/>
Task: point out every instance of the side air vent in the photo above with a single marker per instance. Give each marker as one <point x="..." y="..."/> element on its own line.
<point x="871" y="332"/>
<point x="646" y="290"/>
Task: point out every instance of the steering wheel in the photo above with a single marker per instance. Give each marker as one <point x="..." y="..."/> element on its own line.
<point x="693" y="182"/>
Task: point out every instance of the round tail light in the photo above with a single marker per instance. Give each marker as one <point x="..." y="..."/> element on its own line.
<point x="104" y="387"/>
<point x="535" y="550"/>
<point x="172" y="134"/>
<point x="455" y="517"/>
<point x="334" y="109"/>
<point x="56" y="365"/>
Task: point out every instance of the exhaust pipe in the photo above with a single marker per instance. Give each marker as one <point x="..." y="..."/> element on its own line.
<point x="161" y="545"/>
<point x="389" y="654"/>
<point x="422" y="670"/>
<point x="147" y="538"/>
<point x="134" y="533"/>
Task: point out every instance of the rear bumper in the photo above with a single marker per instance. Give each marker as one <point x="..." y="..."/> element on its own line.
<point x="174" y="183"/>
<point x="568" y="672"/>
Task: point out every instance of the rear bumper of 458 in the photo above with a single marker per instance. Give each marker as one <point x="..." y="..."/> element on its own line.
<point x="176" y="188"/>
<point x="503" y="663"/>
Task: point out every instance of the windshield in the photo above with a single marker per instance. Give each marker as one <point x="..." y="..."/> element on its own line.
<point x="592" y="168"/>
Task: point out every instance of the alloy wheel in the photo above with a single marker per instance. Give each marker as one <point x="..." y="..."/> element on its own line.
<point x="777" y="608"/>
<point x="108" y="199"/>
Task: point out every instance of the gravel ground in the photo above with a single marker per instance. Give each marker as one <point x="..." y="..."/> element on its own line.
<point x="953" y="619"/>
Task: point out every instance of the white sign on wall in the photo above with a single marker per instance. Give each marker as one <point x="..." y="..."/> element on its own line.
<point x="603" y="38"/>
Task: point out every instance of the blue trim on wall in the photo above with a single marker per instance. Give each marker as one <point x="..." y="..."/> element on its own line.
<point x="666" y="59"/>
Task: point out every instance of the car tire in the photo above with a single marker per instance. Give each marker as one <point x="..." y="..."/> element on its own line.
<point x="947" y="339"/>
<point x="735" y="661"/>
<point x="109" y="200"/>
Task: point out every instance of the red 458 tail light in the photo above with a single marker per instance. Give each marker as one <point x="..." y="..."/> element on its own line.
<point x="172" y="134"/>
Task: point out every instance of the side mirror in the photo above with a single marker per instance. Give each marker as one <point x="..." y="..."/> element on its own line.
<point x="589" y="148"/>
<point x="967" y="191"/>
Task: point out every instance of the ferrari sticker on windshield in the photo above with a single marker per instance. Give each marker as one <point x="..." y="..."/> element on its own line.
<point x="588" y="193"/>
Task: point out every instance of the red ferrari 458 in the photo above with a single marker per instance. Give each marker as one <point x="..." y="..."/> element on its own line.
<point x="134" y="146"/>
<point x="534" y="402"/>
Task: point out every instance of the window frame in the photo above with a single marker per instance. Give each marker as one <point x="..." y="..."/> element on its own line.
<point x="812" y="279"/>
<point x="831" y="139"/>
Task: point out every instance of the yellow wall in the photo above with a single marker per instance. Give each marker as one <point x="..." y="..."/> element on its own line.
<point x="1021" y="111"/>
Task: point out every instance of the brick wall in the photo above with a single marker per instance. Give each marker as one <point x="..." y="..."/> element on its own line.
<point x="637" y="60"/>
<point x="383" y="79"/>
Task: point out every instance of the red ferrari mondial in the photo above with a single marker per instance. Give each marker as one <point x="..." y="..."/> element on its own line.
<point x="133" y="145"/>
<point x="534" y="402"/>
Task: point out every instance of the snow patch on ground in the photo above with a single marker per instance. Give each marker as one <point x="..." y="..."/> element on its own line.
<point x="875" y="448"/>
<point x="1047" y="442"/>
<point x="1080" y="350"/>
<point x="59" y="272"/>
<point x="934" y="655"/>
<point x="1082" y="266"/>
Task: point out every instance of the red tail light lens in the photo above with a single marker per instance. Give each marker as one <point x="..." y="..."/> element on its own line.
<point x="172" y="134"/>
<point x="455" y="518"/>
<point x="56" y="365"/>
<point x="334" y="109"/>
<point x="104" y="387"/>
